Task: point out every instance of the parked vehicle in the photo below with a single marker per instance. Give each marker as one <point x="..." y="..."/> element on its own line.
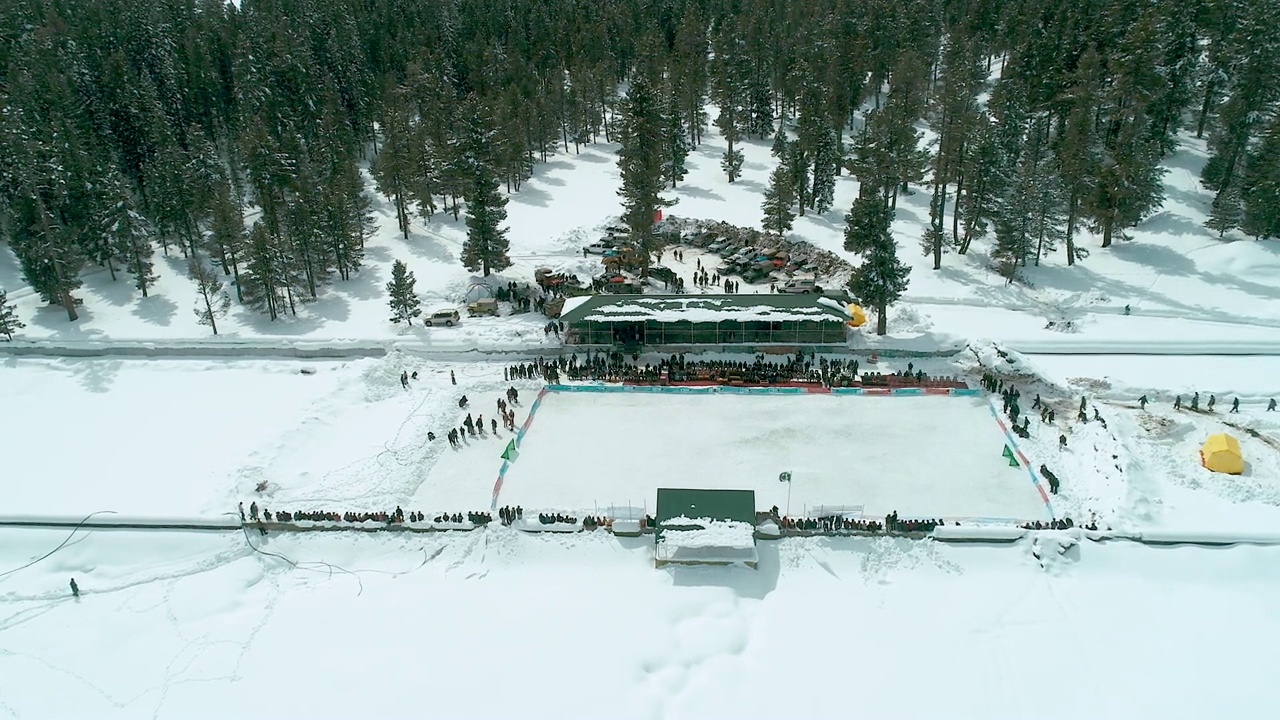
<point x="801" y="286"/>
<point x="717" y="246"/>
<point x="484" y="306"/>
<point x="448" y="318"/>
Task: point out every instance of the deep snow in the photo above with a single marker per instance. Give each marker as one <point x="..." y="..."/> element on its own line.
<point x="495" y="622"/>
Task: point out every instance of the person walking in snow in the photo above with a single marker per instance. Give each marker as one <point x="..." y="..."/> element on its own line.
<point x="75" y="589"/>
<point x="1142" y="402"/>
<point x="253" y="511"/>
<point x="1235" y="405"/>
<point x="452" y="378"/>
<point x="494" y="424"/>
<point x="404" y="380"/>
<point x="1271" y="406"/>
<point x="1212" y="399"/>
<point x="1177" y="402"/>
<point x="1195" y="402"/>
<point x="1083" y="402"/>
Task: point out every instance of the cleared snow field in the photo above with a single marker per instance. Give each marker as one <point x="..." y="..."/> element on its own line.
<point x="496" y="623"/>
<point x="926" y="456"/>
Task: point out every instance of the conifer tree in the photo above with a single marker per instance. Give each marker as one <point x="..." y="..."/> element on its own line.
<point x="1226" y="212"/>
<point x="402" y="297"/>
<point x="128" y="236"/>
<point x="778" y="200"/>
<point x="227" y="236"/>
<point x="678" y="142"/>
<point x="212" y="301"/>
<point x="640" y="160"/>
<point x="826" y="164"/>
<point x="9" y="322"/>
<point x="486" y="246"/>
<point x="881" y="278"/>
<point x="264" y="282"/>
<point x="727" y="93"/>
<point x="1260" y="215"/>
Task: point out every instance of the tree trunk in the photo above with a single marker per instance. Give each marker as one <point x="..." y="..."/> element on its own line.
<point x="69" y="303"/>
<point x="111" y="269"/>
<point x="955" y="211"/>
<point x="1107" y="226"/>
<point x="882" y="318"/>
<point x="1071" y="230"/>
<point x="1204" y="109"/>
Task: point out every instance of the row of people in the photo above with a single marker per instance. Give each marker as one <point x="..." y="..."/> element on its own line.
<point x="1063" y="524"/>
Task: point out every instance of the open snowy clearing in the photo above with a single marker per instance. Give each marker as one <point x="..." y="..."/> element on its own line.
<point x="194" y="437"/>
<point x="926" y="456"/>
<point x="1174" y="271"/>
<point x="181" y="625"/>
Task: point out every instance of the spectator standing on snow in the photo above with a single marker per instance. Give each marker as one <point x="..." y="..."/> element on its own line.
<point x="404" y="380"/>
<point x="1195" y="402"/>
<point x="1271" y="406"/>
<point x="1212" y="399"/>
<point x="1235" y="405"/>
<point x="1083" y="402"/>
<point x="452" y="378"/>
<point x="75" y="589"/>
<point x="253" y="511"/>
<point x="1177" y="402"/>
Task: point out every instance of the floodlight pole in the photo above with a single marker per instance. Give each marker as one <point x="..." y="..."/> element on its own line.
<point x="788" y="498"/>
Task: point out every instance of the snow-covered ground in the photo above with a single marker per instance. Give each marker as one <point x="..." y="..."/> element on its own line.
<point x="924" y="456"/>
<point x="499" y="623"/>
<point x="1181" y="282"/>
<point x="495" y="622"/>
<point x="194" y="437"/>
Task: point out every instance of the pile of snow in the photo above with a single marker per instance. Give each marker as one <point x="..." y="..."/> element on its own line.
<point x="707" y="533"/>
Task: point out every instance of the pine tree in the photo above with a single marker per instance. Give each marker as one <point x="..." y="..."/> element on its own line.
<point x="263" y="284"/>
<point x="826" y="162"/>
<point x="640" y="160"/>
<point x="727" y="93"/>
<point x="1225" y="213"/>
<point x="778" y="200"/>
<point x="227" y="236"/>
<point x="486" y="246"/>
<point x="128" y="235"/>
<point x="9" y="322"/>
<point x="881" y="278"/>
<point x="403" y="300"/>
<point x="1261" y="209"/>
<point x="678" y="142"/>
<point x="212" y="302"/>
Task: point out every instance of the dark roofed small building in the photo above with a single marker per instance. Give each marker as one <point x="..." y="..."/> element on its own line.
<point x="705" y="320"/>
<point x="696" y="527"/>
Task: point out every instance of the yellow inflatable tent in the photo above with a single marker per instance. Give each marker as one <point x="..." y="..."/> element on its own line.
<point x="859" y="318"/>
<point x="1221" y="453"/>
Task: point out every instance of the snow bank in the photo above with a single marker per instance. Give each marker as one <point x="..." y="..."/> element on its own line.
<point x="971" y="533"/>
<point x="710" y="534"/>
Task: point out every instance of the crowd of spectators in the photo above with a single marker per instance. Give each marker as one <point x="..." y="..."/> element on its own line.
<point x="762" y="370"/>
<point x="1063" y="524"/>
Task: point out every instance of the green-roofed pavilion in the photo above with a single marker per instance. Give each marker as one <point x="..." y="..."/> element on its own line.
<point x="705" y="320"/>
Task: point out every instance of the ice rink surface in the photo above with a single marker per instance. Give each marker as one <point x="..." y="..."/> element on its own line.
<point x="926" y="456"/>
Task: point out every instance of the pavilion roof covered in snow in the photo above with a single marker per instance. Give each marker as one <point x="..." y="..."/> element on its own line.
<point x="705" y="320"/>
<point x="772" y="307"/>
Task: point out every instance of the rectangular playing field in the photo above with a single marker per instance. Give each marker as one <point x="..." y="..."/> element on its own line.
<point x="923" y="456"/>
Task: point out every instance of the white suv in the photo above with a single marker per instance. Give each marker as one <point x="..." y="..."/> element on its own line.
<point x="448" y="318"/>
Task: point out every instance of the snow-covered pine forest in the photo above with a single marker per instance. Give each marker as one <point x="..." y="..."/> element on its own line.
<point x="237" y="134"/>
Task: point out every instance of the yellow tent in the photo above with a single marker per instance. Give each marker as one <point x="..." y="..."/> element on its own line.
<point x="859" y="317"/>
<point x="1221" y="453"/>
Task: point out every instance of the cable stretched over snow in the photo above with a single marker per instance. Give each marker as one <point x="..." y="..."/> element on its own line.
<point x="63" y="544"/>
<point x="331" y="567"/>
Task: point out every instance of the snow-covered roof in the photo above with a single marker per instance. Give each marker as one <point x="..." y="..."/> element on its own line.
<point x="703" y="308"/>
<point x="708" y="534"/>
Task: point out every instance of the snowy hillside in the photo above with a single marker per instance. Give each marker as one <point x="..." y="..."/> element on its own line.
<point x="1177" y="277"/>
